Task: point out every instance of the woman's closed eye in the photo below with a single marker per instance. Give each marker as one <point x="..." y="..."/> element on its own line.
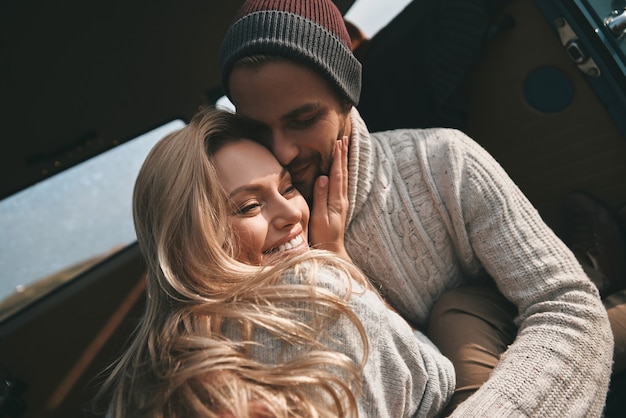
<point x="249" y="208"/>
<point x="290" y="190"/>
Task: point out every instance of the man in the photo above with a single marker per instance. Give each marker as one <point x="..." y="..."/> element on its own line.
<point x="430" y="210"/>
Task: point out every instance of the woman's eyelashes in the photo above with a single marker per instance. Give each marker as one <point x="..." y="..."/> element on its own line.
<point x="248" y="207"/>
<point x="290" y="190"/>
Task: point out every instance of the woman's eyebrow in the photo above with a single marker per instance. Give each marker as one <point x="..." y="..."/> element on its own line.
<point x="256" y="187"/>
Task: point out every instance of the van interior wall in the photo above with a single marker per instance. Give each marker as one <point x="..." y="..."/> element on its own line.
<point x="547" y="154"/>
<point x="79" y="78"/>
<point x="58" y="346"/>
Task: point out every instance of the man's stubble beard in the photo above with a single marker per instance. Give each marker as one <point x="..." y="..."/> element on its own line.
<point x="324" y="166"/>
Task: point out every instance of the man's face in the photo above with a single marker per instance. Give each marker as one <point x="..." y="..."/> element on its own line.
<point x="295" y="113"/>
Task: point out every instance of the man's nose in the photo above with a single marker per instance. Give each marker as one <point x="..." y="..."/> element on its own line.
<point x="284" y="149"/>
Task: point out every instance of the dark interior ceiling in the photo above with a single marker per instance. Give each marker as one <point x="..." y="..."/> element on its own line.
<point x="79" y="77"/>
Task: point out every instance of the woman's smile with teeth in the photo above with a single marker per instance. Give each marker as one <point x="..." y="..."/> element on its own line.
<point x="286" y="246"/>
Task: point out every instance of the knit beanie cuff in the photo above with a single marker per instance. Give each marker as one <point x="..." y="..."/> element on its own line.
<point x="292" y="36"/>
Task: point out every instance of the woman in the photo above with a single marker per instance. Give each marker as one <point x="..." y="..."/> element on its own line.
<point x="242" y="318"/>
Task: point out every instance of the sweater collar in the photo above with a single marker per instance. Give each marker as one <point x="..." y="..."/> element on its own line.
<point x="359" y="163"/>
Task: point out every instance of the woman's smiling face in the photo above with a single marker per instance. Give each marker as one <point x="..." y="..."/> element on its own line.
<point x="268" y="214"/>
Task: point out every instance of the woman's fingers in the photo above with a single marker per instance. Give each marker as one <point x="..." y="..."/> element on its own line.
<point x="320" y="198"/>
<point x="344" y="156"/>
<point x="338" y="189"/>
<point x="330" y="209"/>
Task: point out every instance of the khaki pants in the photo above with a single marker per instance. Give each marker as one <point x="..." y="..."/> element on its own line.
<point x="615" y="305"/>
<point x="473" y="326"/>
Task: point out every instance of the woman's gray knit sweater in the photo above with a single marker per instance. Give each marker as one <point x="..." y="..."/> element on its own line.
<point x="431" y="210"/>
<point x="405" y="375"/>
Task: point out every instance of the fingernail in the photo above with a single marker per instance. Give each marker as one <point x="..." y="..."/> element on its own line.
<point x="323" y="181"/>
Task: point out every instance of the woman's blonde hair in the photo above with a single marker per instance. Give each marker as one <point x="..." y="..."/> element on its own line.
<point x="183" y="360"/>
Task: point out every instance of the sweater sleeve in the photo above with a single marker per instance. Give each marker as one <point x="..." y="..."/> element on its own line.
<point x="560" y="363"/>
<point x="405" y="374"/>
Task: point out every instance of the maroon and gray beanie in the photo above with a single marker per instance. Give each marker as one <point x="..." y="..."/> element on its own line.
<point x="311" y="32"/>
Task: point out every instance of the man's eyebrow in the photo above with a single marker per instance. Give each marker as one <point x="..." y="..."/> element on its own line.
<point x="305" y="108"/>
<point x="247" y="188"/>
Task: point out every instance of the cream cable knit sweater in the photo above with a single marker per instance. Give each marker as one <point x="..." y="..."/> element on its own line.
<point x="431" y="210"/>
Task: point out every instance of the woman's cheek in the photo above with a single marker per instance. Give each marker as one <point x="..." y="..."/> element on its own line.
<point x="250" y="239"/>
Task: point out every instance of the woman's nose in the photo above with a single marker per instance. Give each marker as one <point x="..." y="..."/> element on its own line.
<point x="286" y="213"/>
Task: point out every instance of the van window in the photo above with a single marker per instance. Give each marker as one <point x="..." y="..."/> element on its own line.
<point x="54" y="230"/>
